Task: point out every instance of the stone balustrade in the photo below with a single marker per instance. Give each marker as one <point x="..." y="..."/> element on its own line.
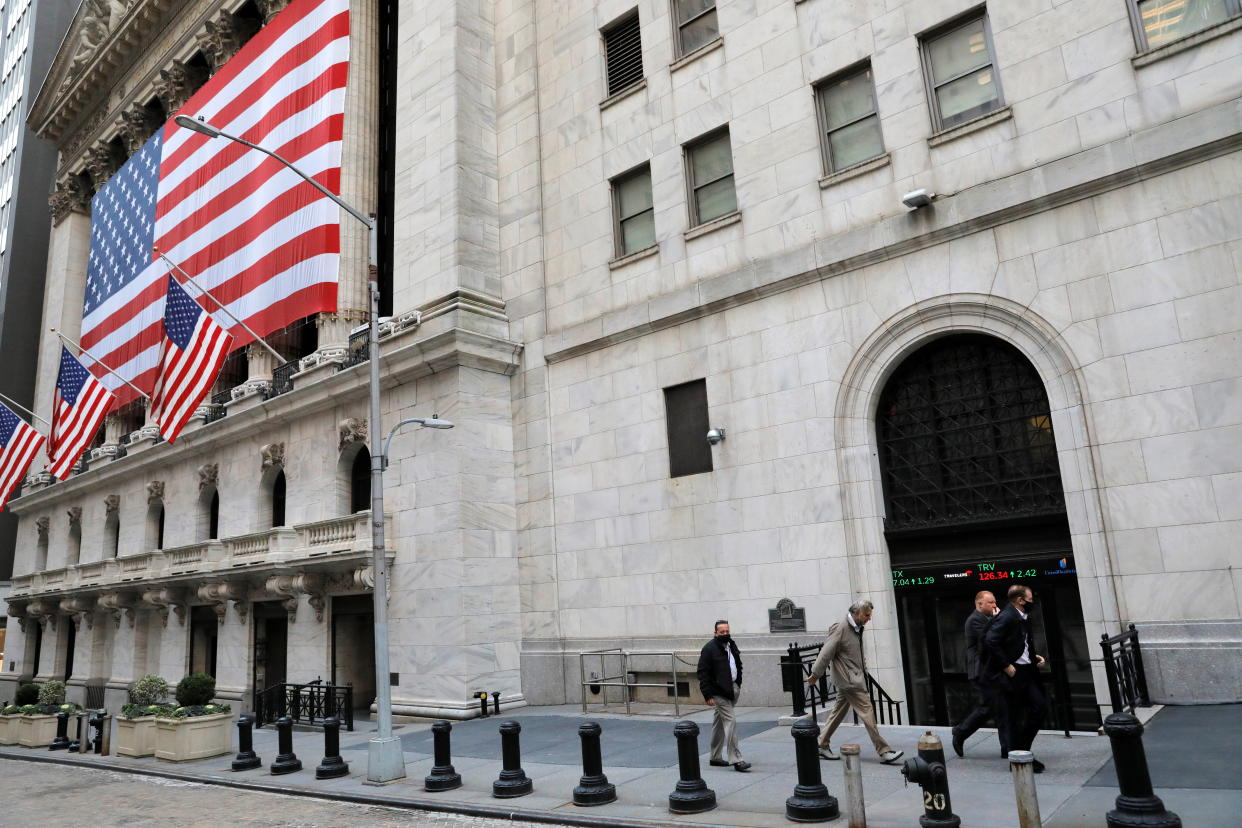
<point x="279" y="545"/>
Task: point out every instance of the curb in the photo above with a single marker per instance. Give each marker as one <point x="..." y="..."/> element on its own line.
<point x="491" y="812"/>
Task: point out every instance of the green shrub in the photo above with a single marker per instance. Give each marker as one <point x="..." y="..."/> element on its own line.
<point x="26" y="694"/>
<point x="148" y="690"/>
<point x="52" y="693"/>
<point x="195" y="690"/>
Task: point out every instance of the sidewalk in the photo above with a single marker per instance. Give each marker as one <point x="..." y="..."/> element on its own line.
<point x="640" y="759"/>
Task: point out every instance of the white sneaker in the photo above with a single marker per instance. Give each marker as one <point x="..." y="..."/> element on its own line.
<point x="890" y="757"/>
<point x="826" y="752"/>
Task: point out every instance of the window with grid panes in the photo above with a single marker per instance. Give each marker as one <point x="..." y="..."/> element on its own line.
<point x="623" y="54"/>
<point x="1159" y="22"/>
<point x="709" y="165"/>
<point x="958" y="65"/>
<point x="696" y="24"/>
<point x="631" y="204"/>
<point x="848" y="120"/>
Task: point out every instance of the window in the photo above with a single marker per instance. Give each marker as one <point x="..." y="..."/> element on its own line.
<point x="360" y="482"/>
<point x="278" y="500"/>
<point x="213" y="517"/>
<point x="112" y="535"/>
<point x="623" y="54"/>
<point x="154" y="535"/>
<point x="696" y="24"/>
<point x="41" y="552"/>
<point x="1159" y="22"/>
<point x="957" y="63"/>
<point x="631" y="205"/>
<point x="73" y="549"/>
<point x="848" y="120"/>
<point x="709" y="164"/>
<point x="685" y="409"/>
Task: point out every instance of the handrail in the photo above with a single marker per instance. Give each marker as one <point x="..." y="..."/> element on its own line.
<point x="1123" y="666"/>
<point x="796" y="666"/>
<point x="623" y="678"/>
<point x="313" y="701"/>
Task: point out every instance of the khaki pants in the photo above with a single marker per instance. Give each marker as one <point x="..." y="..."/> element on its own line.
<point x="724" y="728"/>
<point x="861" y="702"/>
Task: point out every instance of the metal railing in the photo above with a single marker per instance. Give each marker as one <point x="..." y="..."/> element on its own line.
<point x="217" y="410"/>
<point x="94" y="697"/>
<point x="282" y="379"/>
<point x="1123" y="665"/>
<point x="796" y="666"/>
<point x="358" y="350"/>
<point x="308" y="703"/>
<point x="622" y="679"/>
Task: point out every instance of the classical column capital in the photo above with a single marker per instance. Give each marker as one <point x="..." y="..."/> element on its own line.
<point x="138" y="124"/>
<point x="70" y="196"/>
<point x="270" y="8"/>
<point x="176" y="84"/>
<point x="101" y="164"/>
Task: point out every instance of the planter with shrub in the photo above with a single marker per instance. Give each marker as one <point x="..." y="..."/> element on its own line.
<point x="194" y="728"/>
<point x="135" y="727"/>
<point x="37" y="722"/>
<point x="8" y="724"/>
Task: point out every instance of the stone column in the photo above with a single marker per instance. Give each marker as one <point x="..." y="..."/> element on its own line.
<point x="81" y="614"/>
<point x="359" y="186"/>
<point x="174" y="648"/>
<point x="233" y="653"/>
<point x="308" y="646"/>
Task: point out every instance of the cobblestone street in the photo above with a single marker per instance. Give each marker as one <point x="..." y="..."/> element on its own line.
<point x="55" y="795"/>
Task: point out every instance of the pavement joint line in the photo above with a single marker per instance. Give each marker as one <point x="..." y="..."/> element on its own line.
<point x="557" y="817"/>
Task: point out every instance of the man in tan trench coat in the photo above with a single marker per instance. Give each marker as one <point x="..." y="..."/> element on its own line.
<point x="843" y="653"/>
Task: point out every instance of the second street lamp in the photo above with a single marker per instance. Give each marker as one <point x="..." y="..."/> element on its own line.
<point x="385" y="762"/>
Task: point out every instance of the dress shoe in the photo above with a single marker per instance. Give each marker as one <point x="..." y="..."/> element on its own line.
<point x="890" y="757"/>
<point x="742" y="767"/>
<point x="1037" y="766"/>
<point x="826" y="752"/>
<point x="958" y="744"/>
<point x="717" y="763"/>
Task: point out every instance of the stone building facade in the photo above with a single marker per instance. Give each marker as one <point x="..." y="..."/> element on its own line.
<point x="590" y="252"/>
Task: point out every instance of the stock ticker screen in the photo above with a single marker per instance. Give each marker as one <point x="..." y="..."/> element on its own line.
<point x="925" y="577"/>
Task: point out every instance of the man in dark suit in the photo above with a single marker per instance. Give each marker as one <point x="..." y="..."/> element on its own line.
<point x="1013" y="663"/>
<point x="720" y="679"/>
<point x="991" y="703"/>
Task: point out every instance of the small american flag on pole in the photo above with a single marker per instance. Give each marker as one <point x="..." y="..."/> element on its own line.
<point x="79" y="407"/>
<point x="19" y="443"/>
<point x="261" y="240"/>
<point x="194" y="349"/>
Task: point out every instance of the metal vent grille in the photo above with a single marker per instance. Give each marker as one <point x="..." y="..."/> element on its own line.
<point x="623" y="54"/>
<point x="966" y="438"/>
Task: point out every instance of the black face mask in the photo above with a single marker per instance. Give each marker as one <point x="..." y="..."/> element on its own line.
<point x="725" y="639"/>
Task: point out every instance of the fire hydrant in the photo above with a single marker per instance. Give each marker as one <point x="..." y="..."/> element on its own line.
<point x="927" y="770"/>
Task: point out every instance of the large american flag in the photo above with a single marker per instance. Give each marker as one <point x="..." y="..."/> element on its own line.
<point x="259" y="238"/>
<point x="19" y="443"/>
<point x="78" y="409"/>
<point x="194" y="349"/>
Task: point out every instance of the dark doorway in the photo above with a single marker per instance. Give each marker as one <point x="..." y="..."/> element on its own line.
<point x="360" y="482"/>
<point x="278" y="500"/>
<point x="204" y="626"/>
<point x="353" y="647"/>
<point x="271" y="644"/>
<point x="973" y="500"/>
<point x="71" y="638"/>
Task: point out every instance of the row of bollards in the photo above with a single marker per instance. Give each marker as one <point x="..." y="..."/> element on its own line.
<point x="482" y="697"/>
<point x="331" y="766"/>
<point x="98" y="720"/>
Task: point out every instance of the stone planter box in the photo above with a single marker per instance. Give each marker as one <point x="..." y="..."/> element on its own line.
<point x="8" y="729"/>
<point x="199" y="737"/>
<point x="36" y="731"/>
<point x="135" y="737"/>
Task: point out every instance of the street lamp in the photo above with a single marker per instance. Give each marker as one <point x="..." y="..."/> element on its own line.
<point x="385" y="762"/>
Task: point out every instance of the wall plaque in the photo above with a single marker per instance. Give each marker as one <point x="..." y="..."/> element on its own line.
<point x="786" y="617"/>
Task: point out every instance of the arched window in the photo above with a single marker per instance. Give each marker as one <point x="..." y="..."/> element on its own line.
<point x="112" y="535"/>
<point x="278" y="499"/>
<point x="213" y="516"/>
<point x="73" y="548"/>
<point x="155" y="525"/>
<point x="360" y="482"/>
<point x="208" y="522"/>
<point x="41" y="551"/>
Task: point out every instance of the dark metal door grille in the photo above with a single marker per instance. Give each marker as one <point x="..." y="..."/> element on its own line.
<point x="966" y="438"/>
<point x="623" y="54"/>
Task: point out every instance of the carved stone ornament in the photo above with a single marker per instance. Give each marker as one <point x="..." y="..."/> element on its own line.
<point x="271" y="8"/>
<point x="155" y="491"/>
<point x="293" y="586"/>
<point x="176" y="84"/>
<point x="273" y="455"/>
<point x="138" y="124"/>
<point x="112" y="503"/>
<point x="114" y="603"/>
<point x="364" y="577"/>
<point x="69" y="196"/>
<point x="163" y="599"/>
<point x="42" y="525"/>
<point x="101" y="164"/>
<point x="221" y="39"/>
<point x="75" y="515"/>
<point x="208" y="475"/>
<point x="352" y="430"/>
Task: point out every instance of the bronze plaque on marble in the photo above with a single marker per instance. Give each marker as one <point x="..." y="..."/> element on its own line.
<point x="786" y="617"/>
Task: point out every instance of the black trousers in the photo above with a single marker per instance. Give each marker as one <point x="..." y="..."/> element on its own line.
<point x="1025" y="706"/>
<point x="991" y="705"/>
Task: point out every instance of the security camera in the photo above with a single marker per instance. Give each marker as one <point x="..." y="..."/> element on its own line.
<point x="916" y="199"/>
<point x="716" y="436"/>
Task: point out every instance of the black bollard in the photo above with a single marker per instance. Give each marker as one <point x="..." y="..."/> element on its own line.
<point x="246" y="759"/>
<point x="333" y="765"/>
<point x="75" y="746"/>
<point x="62" y="732"/>
<point x="594" y="787"/>
<point x="927" y="770"/>
<point x="97" y="721"/>
<point x="692" y="795"/>
<point x="443" y="777"/>
<point x="1137" y="805"/>
<point x="482" y="697"/>
<point x="811" y="801"/>
<point x="512" y="781"/>
<point x="286" y="760"/>
<point x="496" y="703"/>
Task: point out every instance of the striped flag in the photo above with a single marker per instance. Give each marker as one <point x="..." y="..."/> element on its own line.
<point x="79" y="407"/>
<point x="255" y="235"/>
<point x="194" y="349"/>
<point x="19" y="443"/>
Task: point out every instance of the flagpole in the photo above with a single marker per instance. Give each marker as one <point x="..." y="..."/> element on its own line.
<point x="94" y="358"/>
<point x="20" y="407"/>
<point x="279" y="359"/>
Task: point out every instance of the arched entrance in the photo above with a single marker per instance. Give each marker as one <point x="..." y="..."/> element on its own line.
<point x="973" y="499"/>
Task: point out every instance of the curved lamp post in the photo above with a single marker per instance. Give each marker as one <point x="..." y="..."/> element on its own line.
<point x="384" y="760"/>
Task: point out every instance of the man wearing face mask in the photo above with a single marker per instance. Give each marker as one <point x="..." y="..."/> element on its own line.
<point x="720" y="679"/>
<point x="1014" y="665"/>
<point x="990" y="703"/>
